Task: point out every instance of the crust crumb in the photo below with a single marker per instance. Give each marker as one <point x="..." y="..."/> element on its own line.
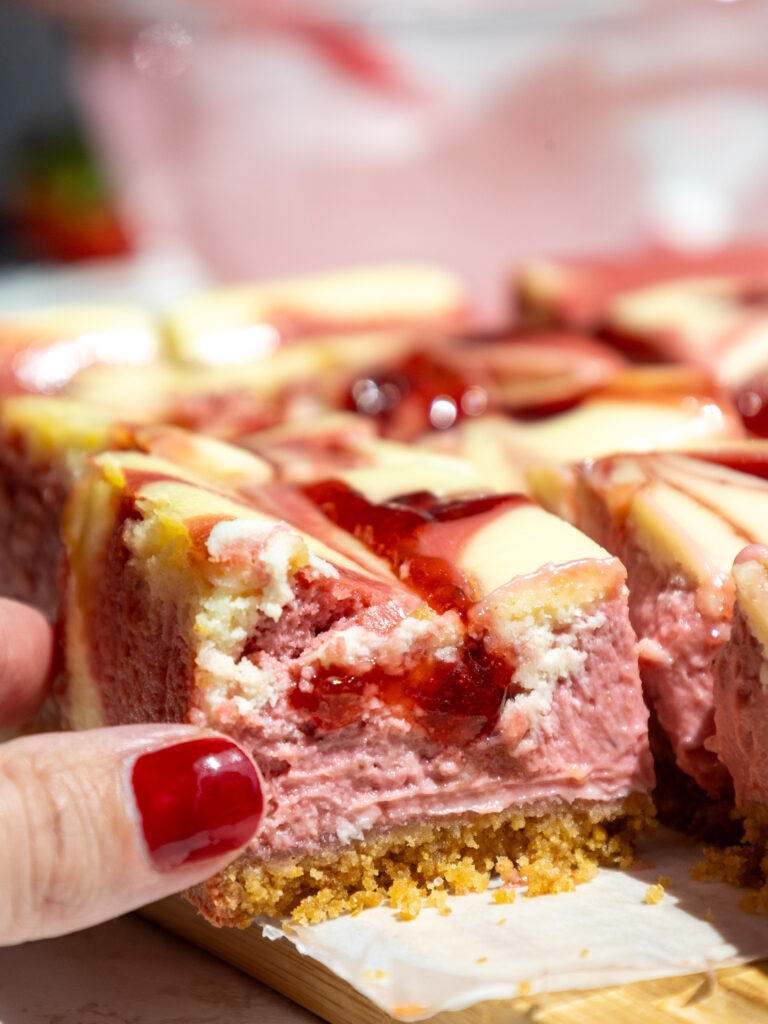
<point x="654" y="894"/>
<point x="504" y="896"/>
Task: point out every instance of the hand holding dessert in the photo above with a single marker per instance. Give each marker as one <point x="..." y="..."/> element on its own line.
<point x="96" y="824"/>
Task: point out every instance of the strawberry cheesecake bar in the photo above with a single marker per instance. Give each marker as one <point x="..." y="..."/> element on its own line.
<point x="639" y="409"/>
<point x="741" y="685"/>
<point x="678" y="521"/>
<point x="240" y="323"/>
<point x="707" y="310"/>
<point x="453" y="688"/>
<point x="43" y="443"/>
<point x="42" y="350"/>
<point x="741" y="727"/>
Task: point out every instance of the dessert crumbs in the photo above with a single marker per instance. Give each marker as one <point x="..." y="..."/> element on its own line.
<point x="743" y="865"/>
<point x="504" y="896"/>
<point x="654" y="894"/>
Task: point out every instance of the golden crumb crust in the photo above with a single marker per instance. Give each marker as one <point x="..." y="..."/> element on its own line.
<point x="744" y="864"/>
<point x="417" y="867"/>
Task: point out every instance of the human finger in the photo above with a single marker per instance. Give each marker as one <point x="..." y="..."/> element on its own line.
<point x="98" y="823"/>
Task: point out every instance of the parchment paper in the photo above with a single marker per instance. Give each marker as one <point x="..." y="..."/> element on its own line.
<point x="603" y="933"/>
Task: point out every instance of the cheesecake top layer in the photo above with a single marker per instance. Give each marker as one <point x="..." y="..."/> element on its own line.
<point x="691" y="516"/>
<point x="457" y="551"/>
<point x="580" y="292"/>
<point x="41" y="350"/>
<point x="246" y="322"/>
<point x="57" y="427"/>
<point x="750" y="572"/>
<point x="226" y="464"/>
<point x="705" y="309"/>
<point x="641" y="410"/>
<point x="187" y="506"/>
<point x="515" y="372"/>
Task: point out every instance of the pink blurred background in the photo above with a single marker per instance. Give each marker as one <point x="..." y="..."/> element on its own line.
<point x="269" y="139"/>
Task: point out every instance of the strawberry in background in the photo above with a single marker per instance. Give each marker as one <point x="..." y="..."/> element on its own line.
<point x="59" y="205"/>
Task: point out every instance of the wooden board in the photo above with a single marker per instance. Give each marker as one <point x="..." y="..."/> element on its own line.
<point x="735" y="995"/>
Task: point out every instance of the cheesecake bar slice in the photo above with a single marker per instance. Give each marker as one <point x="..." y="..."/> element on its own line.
<point x="41" y="350"/>
<point x="677" y="521"/>
<point x="741" y="685"/>
<point x="44" y="442"/>
<point x="705" y="309"/>
<point x="408" y="740"/>
<point x="741" y="731"/>
<point x="640" y="409"/>
<point x="241" y="323"/>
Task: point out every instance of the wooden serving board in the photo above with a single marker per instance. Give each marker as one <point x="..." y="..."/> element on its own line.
<point x="734" y="995"/>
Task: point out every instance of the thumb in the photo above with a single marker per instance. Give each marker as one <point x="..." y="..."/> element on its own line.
<point x="101" y="822"/>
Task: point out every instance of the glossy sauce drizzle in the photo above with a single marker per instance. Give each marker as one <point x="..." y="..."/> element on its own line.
<point x="415" y="533"/>
<point x="745" y="460"/>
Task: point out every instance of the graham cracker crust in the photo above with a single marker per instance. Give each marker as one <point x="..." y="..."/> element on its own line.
<point x="419" y="866"/>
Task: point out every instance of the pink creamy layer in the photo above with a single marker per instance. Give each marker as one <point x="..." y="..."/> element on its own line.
<point x="677" y="649"/>
<point x="383" y="771"/>
<point x="741" y="714"/>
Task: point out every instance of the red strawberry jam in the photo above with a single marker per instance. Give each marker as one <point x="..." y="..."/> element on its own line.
<point x="416" y="533"/>
<point x="752" y="403"/>
<point x="452" y="701"/>
<point x="418" y="394"/>
<point x="743" y="461"/>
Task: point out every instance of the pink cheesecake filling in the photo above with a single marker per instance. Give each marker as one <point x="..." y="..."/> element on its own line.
<point x="741" y="714"/>
<point x="384" y="768"/>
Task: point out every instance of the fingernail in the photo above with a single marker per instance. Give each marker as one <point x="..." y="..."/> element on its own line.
<point x="196" y="800"/>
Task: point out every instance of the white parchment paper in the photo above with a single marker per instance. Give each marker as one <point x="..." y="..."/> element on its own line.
<point x="603" y="933"/>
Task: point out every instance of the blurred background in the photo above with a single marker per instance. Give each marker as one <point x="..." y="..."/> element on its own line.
<point x="244" y="138"/>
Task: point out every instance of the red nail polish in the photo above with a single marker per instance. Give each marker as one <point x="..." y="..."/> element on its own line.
<point x="196" y="800"/>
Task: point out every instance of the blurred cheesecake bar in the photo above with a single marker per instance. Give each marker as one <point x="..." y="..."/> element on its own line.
<point x="242" y="323"/>
<point x="677" y="522"/>
<point x="44" y="443"/>
<point x="707" y="310"/>
<point x="42" y="350"/>
<point x="530" y="374"/>
<point x="638" y="409"/>
<point x="457" y="685"/>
